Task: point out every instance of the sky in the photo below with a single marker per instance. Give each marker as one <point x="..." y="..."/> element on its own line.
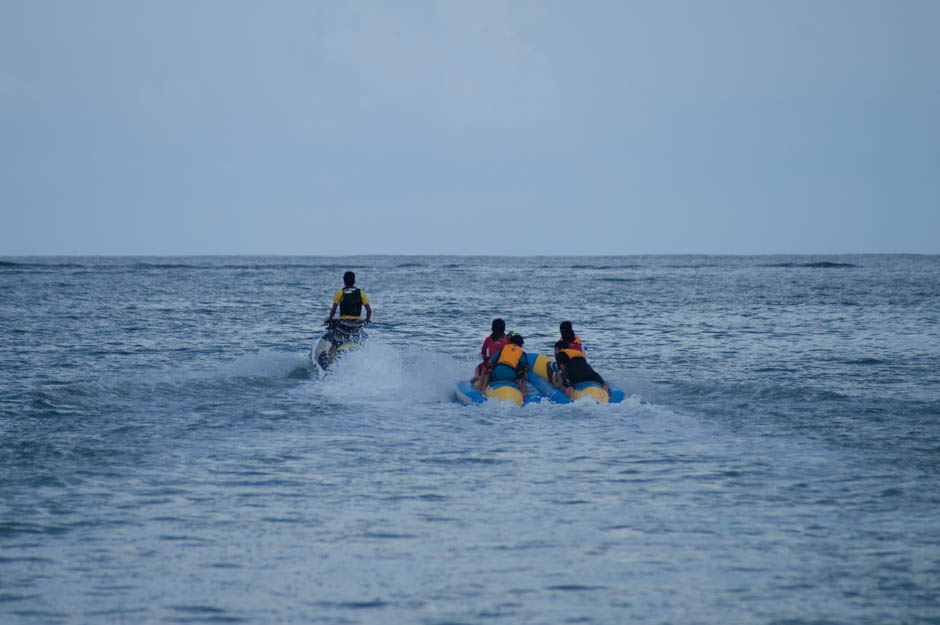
<point x="179" y="127"/>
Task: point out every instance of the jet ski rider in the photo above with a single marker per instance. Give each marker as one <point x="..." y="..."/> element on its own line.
<point x="350" y="301"/>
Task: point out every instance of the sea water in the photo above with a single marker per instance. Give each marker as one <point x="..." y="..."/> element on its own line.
<point x="167" y="455"/>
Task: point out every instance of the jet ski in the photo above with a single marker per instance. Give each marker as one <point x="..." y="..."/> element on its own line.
<point x="342" y="335"/>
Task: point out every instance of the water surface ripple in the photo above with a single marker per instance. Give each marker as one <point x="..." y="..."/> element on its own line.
<point x="166" y="456"/>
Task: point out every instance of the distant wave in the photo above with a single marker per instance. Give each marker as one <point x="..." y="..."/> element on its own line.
<point x="650" y="279"/>
<point x="604" y="267"/>
<point x="211" y="267"/>
<point x="866" y="361"/>
<point x="6" y="264"/>
<point x="818" y="265"/>
<point x="19" y="266"/>
<point x="201" y="263"/>
<point x="165" y="266"/>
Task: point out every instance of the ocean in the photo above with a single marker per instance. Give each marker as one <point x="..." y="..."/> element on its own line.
<point x="167" y="455"/>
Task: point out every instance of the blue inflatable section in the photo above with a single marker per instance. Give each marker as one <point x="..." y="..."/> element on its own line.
<point x="546" y="390"/>
<point x="467" y="395"/>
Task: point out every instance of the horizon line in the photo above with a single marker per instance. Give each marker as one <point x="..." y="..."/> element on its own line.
<point x="466" y="255"/>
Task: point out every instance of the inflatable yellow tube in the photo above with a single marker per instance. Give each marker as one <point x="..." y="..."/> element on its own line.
<point x="541" y="365"/>
<point x="596" y="393"/>
<point x="506" y="392"/>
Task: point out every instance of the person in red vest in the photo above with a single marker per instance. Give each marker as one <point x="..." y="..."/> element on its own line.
<point x="493" y="343"/>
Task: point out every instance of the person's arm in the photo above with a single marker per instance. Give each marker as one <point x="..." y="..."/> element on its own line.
<point x="337" y="298"/>
<point x="368" y="313"/>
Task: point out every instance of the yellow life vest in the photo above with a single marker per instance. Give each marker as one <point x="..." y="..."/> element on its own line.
<point x="510" y="355"/>
<point x="574" y="353"/>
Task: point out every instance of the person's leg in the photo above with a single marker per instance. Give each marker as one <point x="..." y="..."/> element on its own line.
<point x="484" y="381"/>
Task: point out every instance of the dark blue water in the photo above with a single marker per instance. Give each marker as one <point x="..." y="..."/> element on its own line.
<point x="166" y="455"/>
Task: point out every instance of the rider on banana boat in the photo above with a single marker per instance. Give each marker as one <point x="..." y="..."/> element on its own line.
<point x="571" y="340"/>
<point x="493" y="343"/>
<point x="509" y="365"/>
<point x="574" y="365"/>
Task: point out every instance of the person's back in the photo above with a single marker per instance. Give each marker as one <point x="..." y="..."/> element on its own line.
<point x="491" y="346"/>
<point x="350" y="300"/>
<point x="571" y="340"/>
<point x="510" y="364"/>
<point x="577" y="369"/>
<point x="495" y="341"/>
<point x="510" y="361"/>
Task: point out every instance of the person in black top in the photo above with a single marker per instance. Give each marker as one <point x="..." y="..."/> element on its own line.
<point x="576" y="369"/>
<point x="350" y="301"/>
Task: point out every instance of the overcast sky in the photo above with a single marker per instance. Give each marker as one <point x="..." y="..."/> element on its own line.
<point x="700" y="126"/>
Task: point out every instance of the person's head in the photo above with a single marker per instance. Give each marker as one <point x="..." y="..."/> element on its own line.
<point x="499" y="328"/>
<point x="560" y="345"/>
<point x="516" y="339"/>
<point x="567" y="332"/>
<point x="562" y="359"/>
<point x="349" y="278"/>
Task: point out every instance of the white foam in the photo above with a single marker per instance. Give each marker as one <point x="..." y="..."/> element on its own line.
<point x="379" y="371"/>
<point x="264" y="363"/>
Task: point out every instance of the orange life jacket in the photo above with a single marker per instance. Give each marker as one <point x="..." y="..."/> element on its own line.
<point x="510" y="355"/>
<point x="574" y="353"/>
<point x="576" y="343"/>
